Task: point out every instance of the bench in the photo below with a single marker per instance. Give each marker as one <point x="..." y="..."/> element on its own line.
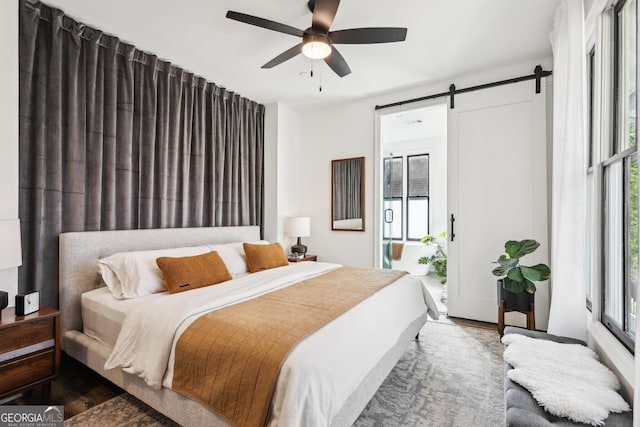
<point x="522" y="410"/>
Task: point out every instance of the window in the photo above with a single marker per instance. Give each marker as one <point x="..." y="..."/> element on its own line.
<point x="591" y="65"/>
<point x="590" y="232"/>
<point x="393" y="197"/>
<point x="625" y="74"/>
<point x="406" y="189"/>
<point x="590" y="172"/>
<point x="417" y="196"/>
<point x="620" y="184"/>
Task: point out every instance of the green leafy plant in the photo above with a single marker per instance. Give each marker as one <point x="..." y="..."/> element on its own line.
<point x="518" y="278"/>
<point x="439" y="259"/>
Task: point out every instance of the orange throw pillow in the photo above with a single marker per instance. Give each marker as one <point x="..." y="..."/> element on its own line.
<point x="192" y="272"/>
<point x="264" y="257"/>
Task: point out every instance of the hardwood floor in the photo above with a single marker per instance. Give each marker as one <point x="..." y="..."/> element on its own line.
<point x="467" y="322"/>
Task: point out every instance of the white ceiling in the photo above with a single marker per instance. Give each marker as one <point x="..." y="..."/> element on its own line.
<point x="444" y="39"/>
<point x="419" y="124"/>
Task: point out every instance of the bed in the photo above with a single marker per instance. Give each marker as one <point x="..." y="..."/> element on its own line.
<point x="390" y="329"/>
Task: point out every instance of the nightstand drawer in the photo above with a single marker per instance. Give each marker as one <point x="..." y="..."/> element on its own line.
<point x="27" y="370"/>
<point x="27" y="333"/>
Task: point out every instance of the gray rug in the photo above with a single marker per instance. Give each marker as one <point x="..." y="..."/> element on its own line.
<point x="451" y="377"/>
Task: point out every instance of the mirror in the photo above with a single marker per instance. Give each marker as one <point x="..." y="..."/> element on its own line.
<point x="347" y="194"/>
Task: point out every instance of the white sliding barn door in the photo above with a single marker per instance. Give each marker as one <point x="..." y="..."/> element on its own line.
<point x="497" y="191"/>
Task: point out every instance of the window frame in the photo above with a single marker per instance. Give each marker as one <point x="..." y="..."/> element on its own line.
<point x="616" y="71"/>
<point x="395" y="198"/>
<point x="609" y="322"/>
<point x="615" y="155"/>
<point x="590" y="180"/>
<point x="407" y="197"/>
<point x="591" y="63"/>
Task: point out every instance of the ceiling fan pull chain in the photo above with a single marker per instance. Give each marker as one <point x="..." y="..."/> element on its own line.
<point x="320" y="86"/>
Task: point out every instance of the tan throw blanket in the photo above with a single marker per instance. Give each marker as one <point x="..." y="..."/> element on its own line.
<point x="229" y="359"/>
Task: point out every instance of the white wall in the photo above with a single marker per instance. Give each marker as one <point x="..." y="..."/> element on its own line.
<point x="347" y="130"/>
<point x="283" y="182"/>
<point x="271" y="172"/>
<point x="9" y="126"/>
<point x="329" y="133"/>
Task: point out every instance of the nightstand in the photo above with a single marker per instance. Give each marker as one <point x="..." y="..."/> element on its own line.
<point x="29" y="351"/>
<point x="306" y="258"/>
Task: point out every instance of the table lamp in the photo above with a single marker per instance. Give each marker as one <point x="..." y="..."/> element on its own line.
<point x="10" y="251"/>
<point x="298" y="227"/>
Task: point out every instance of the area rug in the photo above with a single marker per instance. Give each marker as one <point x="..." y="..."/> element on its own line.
<point x="452" y="376"/>
<point x="121" y="411"/>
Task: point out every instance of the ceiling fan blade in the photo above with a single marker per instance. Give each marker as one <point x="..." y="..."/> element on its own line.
<point x="337" y="63"/>
<point x="324" y="11"/>
<point x="368" y="35"/>
<point x="264" y="23"/>
<point x="284" y="56"/>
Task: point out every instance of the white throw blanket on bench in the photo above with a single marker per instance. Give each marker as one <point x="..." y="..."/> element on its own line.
<point x="565" y="379"/>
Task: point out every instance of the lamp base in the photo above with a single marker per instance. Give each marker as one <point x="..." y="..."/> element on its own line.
<point x="299" y="248"/>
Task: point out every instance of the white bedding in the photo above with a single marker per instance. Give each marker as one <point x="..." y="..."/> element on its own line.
<point x="102" y="314"/>
<point x="349" y="346"/>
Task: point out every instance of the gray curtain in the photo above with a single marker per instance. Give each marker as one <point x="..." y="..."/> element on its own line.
<point x="114" y="138"/>
<point x="347" y="189"/>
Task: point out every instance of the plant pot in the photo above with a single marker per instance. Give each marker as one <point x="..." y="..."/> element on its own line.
<point x="514" y="302"/>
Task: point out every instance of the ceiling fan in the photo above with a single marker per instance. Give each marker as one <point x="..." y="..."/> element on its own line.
<point x="317" y="41"/>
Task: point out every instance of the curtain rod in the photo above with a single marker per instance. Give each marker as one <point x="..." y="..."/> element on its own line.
<point x="119" y="47"/>
<point x="161" y="64"/>
<point x="538" y="73"/>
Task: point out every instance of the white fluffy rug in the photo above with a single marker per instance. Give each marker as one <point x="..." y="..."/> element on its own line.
<point x="565" y="379"/>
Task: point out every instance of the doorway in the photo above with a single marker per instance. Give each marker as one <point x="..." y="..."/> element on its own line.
<point x="413" y="196"/>
<point x="496" y="185"/>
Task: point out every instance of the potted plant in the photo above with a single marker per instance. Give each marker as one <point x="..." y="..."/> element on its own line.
<point x="439" y="259"/>
<point x="516" y="286"/>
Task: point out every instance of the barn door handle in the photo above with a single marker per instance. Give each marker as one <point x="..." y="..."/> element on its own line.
<point x="453" y="235"/>
<point x="388" y="216"/>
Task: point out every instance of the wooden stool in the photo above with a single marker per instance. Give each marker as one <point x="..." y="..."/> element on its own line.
<point x="531" y="320"/>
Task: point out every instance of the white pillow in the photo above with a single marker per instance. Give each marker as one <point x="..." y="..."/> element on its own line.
<point x="233" y="256"/>
<point x="110" y="279"/>
<point x="136" y="274"/>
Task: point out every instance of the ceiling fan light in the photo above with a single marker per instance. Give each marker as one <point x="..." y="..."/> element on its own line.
<point x="316" y="49"/>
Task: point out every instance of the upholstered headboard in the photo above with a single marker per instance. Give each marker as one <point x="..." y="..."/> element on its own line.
<point x="80" y="252"/>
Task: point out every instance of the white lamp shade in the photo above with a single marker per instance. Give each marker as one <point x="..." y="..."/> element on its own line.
<point x="298" y="226"/>
<point x="10" y="247"/>
<point x="316" y="49"/>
